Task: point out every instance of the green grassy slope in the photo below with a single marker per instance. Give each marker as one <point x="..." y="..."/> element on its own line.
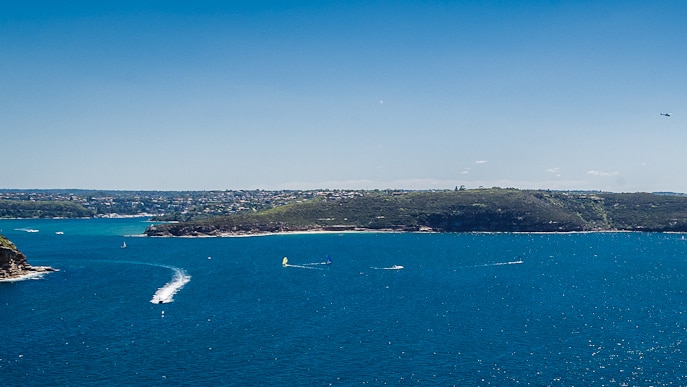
<point x="507" y="210"/>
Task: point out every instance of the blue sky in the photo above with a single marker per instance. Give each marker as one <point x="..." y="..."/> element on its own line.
<point x="172" y="95"/>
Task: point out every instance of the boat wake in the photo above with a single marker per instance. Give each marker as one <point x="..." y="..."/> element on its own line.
<point x="501" y="263"/>
<point x="166" y="293"/>
<point x="394" y="267"/>
<point x="311" y="265"/>
<point x="26" y="229"/>
<point x="305" y="266"/>
<point x="163" y="295"/>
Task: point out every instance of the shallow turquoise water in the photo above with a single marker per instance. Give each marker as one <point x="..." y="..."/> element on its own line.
<point x="465" y="309"/>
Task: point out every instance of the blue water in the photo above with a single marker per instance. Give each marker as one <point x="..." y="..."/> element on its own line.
<point x="466" y="309"/>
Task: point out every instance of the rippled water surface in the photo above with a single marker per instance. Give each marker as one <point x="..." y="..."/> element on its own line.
<point x="395" y="309"/>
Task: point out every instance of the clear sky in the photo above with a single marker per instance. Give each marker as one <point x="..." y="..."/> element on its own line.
<point x="203" y="95"/>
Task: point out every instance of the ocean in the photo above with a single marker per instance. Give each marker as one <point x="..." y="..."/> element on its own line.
<point x="400" y="309"/>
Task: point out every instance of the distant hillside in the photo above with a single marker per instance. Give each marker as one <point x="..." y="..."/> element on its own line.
<point x="502" y="210"/>
<point x="43" y="209"/>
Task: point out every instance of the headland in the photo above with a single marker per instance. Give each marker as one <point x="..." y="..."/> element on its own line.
<point x="13" y="263"/>
<point x="481" y="210"/>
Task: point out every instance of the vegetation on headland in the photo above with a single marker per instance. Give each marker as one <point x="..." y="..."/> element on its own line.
<point x="6" y="243"/>
<point x="487" y="210"/>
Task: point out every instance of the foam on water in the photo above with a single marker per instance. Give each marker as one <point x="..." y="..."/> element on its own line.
<point x="163" y="295"/>
<point x="394" y="267"/>
<point x="303" y="266"/>
<point x="166" y="293"/>
<point x="501" y="263"/>
<point x="310" y="265"/>
<point x="26" y="229"/>
<point x="25" y="277"/>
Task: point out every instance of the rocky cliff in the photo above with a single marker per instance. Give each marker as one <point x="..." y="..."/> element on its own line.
<point x="13" y="263"/>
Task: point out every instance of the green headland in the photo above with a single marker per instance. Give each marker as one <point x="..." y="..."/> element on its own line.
<point x="475" y="210"/>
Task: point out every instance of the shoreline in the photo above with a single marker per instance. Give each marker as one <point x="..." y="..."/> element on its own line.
<point x="36" y="272"/>
<point x="389" y="231"/>
<point x="303" y="232"/>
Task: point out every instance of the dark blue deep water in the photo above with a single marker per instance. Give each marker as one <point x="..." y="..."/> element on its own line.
<point x="466" y="309"/>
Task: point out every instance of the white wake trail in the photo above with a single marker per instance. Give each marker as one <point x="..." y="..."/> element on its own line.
<point x="519" y="262"/>
<point x="166" y="293"/>
<point x="303" y="267"/>
<point x="502" y="263"/>
<point x="394" y="267"/>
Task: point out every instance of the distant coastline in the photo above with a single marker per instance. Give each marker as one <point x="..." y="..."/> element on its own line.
<point x="382" y="231"/>
<point x="482" y="210"/>
<point x="298" y="232"/>
<point x="257" y="212"/>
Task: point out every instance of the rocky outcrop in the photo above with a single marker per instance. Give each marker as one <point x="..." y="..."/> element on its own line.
<point x="13" y="263"/>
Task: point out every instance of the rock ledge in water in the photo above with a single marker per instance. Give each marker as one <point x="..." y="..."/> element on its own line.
<point x="13" y="262"/>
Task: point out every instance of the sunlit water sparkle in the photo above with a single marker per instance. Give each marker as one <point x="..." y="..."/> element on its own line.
<point x="464" y="309"/>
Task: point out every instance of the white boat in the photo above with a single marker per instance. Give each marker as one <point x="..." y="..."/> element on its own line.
<point x="123" y="246"/>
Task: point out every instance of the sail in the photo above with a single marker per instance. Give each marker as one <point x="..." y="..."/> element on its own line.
<point x="284" y="261"/>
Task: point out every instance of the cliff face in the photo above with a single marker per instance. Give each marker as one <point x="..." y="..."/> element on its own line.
<point x="13" y="263"/>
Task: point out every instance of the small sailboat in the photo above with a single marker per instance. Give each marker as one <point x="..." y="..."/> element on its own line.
<point x="284" y="261"/>
<point x="123" y="246"/>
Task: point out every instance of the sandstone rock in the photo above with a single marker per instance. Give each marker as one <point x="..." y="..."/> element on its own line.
<point x="13" y="262"/>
